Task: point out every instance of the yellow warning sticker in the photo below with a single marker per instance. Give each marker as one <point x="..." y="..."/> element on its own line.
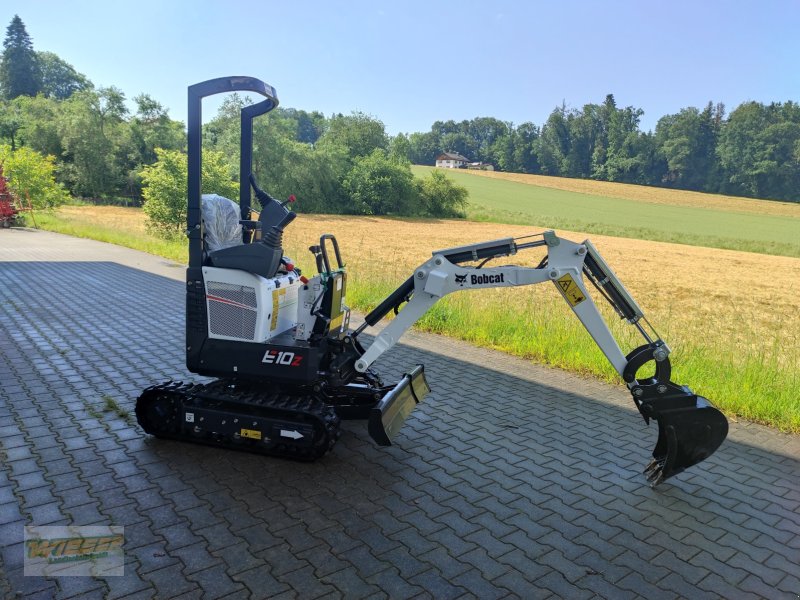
<point x="570" y="289"/>
<point x="336" y="323"/>
<point x="277" y="298"/>
<point x="250" y="433"/>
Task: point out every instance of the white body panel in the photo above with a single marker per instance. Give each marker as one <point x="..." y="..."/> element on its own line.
<point x="245" y="307"/>
<point x="308" y="295"/>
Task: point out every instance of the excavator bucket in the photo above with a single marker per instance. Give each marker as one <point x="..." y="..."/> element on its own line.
<point x="687" y="434"/>
<point x="690" y="429"/>
<point x="388" y="416"/>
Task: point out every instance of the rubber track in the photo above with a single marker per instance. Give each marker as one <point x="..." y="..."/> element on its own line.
<point x="241" y="400"/>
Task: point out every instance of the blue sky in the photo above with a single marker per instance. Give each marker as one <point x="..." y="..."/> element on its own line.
<point x="411" y="63"/>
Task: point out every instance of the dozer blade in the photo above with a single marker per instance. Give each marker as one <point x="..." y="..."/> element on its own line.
<point x="686" y="436"/>
<point x="389" y="414"/>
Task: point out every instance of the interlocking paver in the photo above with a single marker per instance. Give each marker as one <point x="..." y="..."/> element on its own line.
<point x="260" y="583"/>
<point x="390" y="579"/>
<point x="195" y="558"/>
<point x="536" y="493"/>
<point x="170" y="582"/>
<point x="80" y="587"/>
<point x="215" y="583"/>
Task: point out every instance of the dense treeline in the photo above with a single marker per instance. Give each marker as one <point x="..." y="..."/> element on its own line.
<point x="101" y="148"/>
<point x="754" y="151"/>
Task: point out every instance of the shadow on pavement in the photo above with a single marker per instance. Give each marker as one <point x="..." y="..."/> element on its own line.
<point x="496" y="484"/>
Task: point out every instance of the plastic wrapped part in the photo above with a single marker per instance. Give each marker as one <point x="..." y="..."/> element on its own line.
<point x="221" y="220"/>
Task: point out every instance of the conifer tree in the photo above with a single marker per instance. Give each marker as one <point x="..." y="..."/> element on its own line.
<point x="20" y="72"/>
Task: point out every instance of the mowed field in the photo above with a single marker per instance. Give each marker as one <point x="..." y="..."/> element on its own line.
<point x="632" y="211"/>
<point x="731" y="317"/>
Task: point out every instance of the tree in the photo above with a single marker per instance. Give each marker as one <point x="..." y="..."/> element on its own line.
<point x="423" y="148"/>
<point x="30" y="175"/>
<point x="308" y="126"/>
<point x="440" y="196"/>
<point x="380" y="185"/>
<point x="553" y="144"/>
<point x="358" y="133"/>
<point x="59" y="78"/>
<point x="10" y="122"/>
<point x="617" y="142"/>
<point x="96" y="150"/>
<point x="688" y="142"/>
<point x="758" y="150"/>
<point x="20" y="72"/>
<point x="40" y="118"/>
<point x="525" y="157"/>
<point x="501" y="154"/>
<point x="484" y="132"/>
<point x="585" y="132"/>
<point x="165" y="188"/>
<point x="400" y="147"/>
<point x="152" y="128"/>
<point x="461" y="143"/>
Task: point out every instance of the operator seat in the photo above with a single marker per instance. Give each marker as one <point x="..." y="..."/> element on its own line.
<point x="223" y="240"/>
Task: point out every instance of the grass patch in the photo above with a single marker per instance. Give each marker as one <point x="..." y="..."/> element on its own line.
<point x="111" y="405"/>
<point x="114" y="225"/>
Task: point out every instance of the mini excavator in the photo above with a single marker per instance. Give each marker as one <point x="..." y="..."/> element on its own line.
<point x="288" y="367"/>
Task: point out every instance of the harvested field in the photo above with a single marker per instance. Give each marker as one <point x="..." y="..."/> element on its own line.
<point x="735" y="293"/>
<point x="113" y="217"/>
<point x="650" y="195"/>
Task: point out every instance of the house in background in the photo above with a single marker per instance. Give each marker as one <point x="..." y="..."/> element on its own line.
<point x="451" y="160"/>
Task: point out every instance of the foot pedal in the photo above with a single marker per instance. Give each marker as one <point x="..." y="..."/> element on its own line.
<point x="388" y="416"/>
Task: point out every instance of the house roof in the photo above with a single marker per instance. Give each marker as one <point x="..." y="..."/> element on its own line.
<point x="451" y="156"/>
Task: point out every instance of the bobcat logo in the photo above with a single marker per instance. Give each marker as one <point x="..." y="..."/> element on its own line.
<point x="461" y="279"/>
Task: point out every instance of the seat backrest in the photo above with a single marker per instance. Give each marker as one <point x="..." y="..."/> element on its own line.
<point x="221" y="222"/>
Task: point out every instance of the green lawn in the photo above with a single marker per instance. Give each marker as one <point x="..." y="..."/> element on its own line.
<point x="519" y="203"/>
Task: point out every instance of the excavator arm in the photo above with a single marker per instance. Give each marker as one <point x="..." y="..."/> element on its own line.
<point x="690" y="428"/>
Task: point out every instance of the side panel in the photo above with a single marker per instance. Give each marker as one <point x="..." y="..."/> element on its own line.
<point x="285" y="362"/>
<point x="245" y="307"/>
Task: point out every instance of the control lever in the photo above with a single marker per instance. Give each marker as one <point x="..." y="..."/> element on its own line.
<point x="262" y="196"/>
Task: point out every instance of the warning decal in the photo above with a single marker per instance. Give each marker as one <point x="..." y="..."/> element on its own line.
<point x="277" y="299"/>
<point x="251" y="433"/>
<point x="570" y="289"/>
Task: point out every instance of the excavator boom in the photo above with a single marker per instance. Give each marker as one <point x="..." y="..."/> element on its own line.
<point x="690" y="428"/>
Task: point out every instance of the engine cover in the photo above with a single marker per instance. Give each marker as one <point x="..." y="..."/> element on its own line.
<point x="245" y="307"/>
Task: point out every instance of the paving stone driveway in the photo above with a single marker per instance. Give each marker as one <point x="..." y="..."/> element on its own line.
<point x="511" y="480"/>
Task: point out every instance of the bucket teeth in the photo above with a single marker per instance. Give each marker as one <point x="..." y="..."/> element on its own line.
<point x="655" y="472"/>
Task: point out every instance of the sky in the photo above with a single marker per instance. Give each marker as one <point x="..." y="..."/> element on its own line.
<point x="411" y="63"/>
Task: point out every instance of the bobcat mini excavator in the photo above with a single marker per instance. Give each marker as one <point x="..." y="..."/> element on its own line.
<point x="289" y="367"/>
